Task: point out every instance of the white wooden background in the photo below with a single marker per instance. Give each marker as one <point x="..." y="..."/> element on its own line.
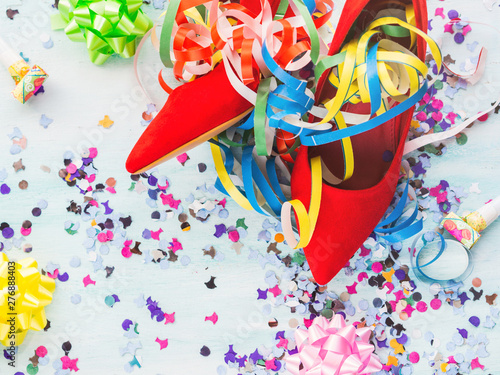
<point x="78" y="95"/>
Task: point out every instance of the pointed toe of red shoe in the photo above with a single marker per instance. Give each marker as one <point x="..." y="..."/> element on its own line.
<point x="193" y="113"/>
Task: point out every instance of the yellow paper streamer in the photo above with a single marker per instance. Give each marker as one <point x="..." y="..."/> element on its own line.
<point x="24" y="293"/>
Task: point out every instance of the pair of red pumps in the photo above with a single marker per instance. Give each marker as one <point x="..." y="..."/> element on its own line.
<point x="349" y="211"/>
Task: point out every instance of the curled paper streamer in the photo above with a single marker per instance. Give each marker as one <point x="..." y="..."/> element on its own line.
<point x="333" y="348"/>
<point x="435" y="259"/>
<point x="24" y="293"/>
<point x="106" y="26"/>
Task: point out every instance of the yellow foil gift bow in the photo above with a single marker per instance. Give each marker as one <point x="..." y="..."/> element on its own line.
<point x="25" y="309"/>
<point x="106" y="26"/>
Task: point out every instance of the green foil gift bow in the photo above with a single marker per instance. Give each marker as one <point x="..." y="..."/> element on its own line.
<point x="106" y="26"/>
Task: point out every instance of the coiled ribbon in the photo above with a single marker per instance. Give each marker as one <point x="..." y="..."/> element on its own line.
<point x="256" y="49"/>
<point x="33" y="292"/>
<point x="106" y="26"/>
<point x="333" y="348"/>
<point x="399" y="225"/>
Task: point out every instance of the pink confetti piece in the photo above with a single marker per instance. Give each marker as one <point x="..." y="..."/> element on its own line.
<point x="68" y="363"/>
<point x="351" y="289"/>
<point x="155" y="235"/>
<point x="87" y="280"/>
<point x="92" y="152"/>
<point x="362" y="276"/>
<point x="437" y="116"/>
<point x="437" y="103"/>
<point x="435" y="191"/>
<point x="451" y="116"/>
<point x="389" y="286"/>
<point x="448" y="28"/>
<point x="101" y="237"/>
<point x="175" y="245"/>
<point x="271" y="365"/>
<point x="414" y="357"/>
<point x="54" y="274"/>
<point x="71" y="168"/>
<point x="212" y="318"/>
<point x="234" y="236"/>
<point x="308" y="322"/>
<point x="409" y="310"/>
<point x="168" y="199"/>
<point x="111" y="189"/>
<point x="126" y="252"/>
<point x="441" y="197"/>
<point x="169" y="318"/>
<point x="364" y="251"/>
<point x="421" y="306"/>
<point x="435" y="304"/>
<point x="222" y="202"/>
<point x="276" y="291"/>
<point x="164" y="187"/>
<point x="421" y="116"/>
<point x="283" y="343"/>
<point x="182" y="158"/>
<point x="439" y="12"/>
<point x="377" y="267"/>
<point x="41" y="351"/>
<point x="399" y="295"/>
<point x="475" y="364"/>
<point x="163" y="343"/>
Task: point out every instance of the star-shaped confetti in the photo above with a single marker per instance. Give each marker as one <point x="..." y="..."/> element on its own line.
<point x="448" y="60"/>
<point x="10" y="14"/>
<point x="448" y="28"/>
<point x="475" y="364"/>
<point x="18" y="165"/>
<point x="240" y="223"/>
<point x="87" y="281"/>
<point x="351" y="289"/>
<point x="163" y="343"/>
<point x="169" y="318"/>
<point x="474" y="188"/>
<point x="45" y="121"/>
<point x="212" y="318"/>
<point x="262" y="294"/>
<point x="439" y="12"/>
<point x="106" y="122"/>
<point x="131" y="348"/>
<point x="211" y="283"/>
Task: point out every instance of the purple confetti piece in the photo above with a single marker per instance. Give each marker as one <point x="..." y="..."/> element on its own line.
<point x="220" y="229"/>
<point x="4" y="189"/>
<point x="63" y="277"/>
<point x="107" y="209"/>
<point x="126" y="324"/>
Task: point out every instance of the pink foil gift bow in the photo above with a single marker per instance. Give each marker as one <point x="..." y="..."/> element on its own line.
<point x="333" y="348"/>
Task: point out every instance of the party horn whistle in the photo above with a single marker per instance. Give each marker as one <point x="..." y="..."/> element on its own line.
<point x="28" y="80"/>
<point x="467" y="229"/>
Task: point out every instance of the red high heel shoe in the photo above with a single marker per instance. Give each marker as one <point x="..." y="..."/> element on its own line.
<point x="350" y="211"/>
<point x="194" y="113"/>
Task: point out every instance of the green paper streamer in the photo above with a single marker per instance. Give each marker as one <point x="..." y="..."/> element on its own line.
<point x="106" y="26"/>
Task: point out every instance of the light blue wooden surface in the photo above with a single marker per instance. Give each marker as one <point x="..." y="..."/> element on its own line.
<point x="78" y="95"/>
